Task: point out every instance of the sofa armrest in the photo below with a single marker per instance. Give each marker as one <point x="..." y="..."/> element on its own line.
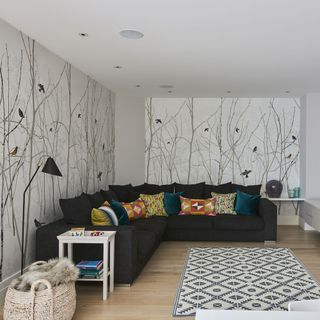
<point x="268" y="212"/>
<point x="126" y="249"/>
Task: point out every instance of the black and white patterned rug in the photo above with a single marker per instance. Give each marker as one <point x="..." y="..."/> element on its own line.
<point x="242" y="278"/>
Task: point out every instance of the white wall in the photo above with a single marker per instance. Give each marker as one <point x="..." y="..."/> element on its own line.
<point x="310" y="145"/>
<point x="129" y="133"/>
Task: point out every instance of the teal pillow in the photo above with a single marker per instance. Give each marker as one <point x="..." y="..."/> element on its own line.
<point x="172" y="203"/>
<point x="246" y="204"/>
<point x="121" y="212"/>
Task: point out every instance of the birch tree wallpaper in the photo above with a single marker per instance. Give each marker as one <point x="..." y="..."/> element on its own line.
<point x="247" y="141"/>
<point x="47" y="108"/>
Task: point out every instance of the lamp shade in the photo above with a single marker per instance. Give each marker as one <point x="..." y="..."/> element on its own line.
<point x="50" y="167"/>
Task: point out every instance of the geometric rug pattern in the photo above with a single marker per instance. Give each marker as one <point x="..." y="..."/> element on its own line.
<point x="242" y="278"/>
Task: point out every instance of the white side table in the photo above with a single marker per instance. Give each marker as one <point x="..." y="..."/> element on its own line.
<point x="107" y="240"/>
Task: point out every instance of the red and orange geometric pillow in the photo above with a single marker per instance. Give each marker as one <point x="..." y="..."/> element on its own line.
<point x="204" y="207"/>
<point x="135" y="210"/>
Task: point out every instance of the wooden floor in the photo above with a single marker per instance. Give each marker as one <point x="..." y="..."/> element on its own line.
<point x="152" y="295"/>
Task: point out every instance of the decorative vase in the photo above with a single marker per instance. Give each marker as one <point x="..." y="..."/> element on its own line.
<point x="274" y="188"/>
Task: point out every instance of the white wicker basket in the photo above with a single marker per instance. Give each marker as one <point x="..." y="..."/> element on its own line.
<point x="58" y="303"/>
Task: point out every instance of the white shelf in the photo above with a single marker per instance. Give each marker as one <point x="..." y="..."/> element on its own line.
<point x="94" y="279"/>
<point x="287" y="199"/>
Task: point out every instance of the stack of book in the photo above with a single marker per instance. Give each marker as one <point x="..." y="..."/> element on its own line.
<point x="90" y="269"/>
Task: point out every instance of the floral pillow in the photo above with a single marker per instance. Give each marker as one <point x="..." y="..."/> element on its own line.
<point x="224" y="202"/>
<point x="205" y="207"/>
<point x="154" y="204"/>
<point x="135" y="210"/>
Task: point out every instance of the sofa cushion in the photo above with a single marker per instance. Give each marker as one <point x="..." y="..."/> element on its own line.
<point x="194" y="191"/>
<point x="221" y="188"/>
<point x="247" y="204"/>
<point x="172" y="203"/>
<point x="121" y="212"/>
<point x="224" y="202"/>
<point x="190" y="222"/>
<point x="153" y="224"/>
<point x="252" y="189"/>
<point x="146" y="242"/>
<point x="109" y="195"/>
<point x="135" y="209"/>
<point x="76" y="211"/>
<point x="140" y="188"/>
<point x="122" y="191"/>
<point x="154" y="188"/>
<point x="154" y="204"/>
<point x="237" y="222"/>
<point x="203" y="207"/>
<point x="96" y="199"/>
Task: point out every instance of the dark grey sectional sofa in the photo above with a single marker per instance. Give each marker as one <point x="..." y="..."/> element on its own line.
<point x="135" y="243"/>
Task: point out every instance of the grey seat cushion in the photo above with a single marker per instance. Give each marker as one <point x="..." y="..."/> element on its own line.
<point x="190" y="222"/>
<point x="237" y="222"/>
<point x="154" y="224"/>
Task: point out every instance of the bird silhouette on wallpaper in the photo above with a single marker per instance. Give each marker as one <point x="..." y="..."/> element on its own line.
<point x="99" y="175"/>
<point x="294" y="138"/>
<point x="255" y="149"/>
<point x="246" y="173"/>
<point x="206" y="129"/>
<point x="289" y="156"/>
<point x="21" y="114"/>
<point x="103" y="146"/>
<point x="158" y="121"/>
<point x="237" y="130"/>
<point x="79" y="115"/>
<point x="95" y="120"/>
<point x="13" y="152"/>
<point x="38" y="224"/>
<point x="168" y="142"/>
<point x="41" y="88"/>
<point x="50" y="129"/>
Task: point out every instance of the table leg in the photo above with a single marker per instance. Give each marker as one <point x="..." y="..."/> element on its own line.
<point x="112" y="265"/>
<point x="105" y="270"/>
<point x="61" y="249"/>
<point x="70" y="251"/>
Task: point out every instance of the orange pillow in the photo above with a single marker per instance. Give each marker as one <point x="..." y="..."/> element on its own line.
<point x="205" y="207"/>
<point x="135" y="210"/>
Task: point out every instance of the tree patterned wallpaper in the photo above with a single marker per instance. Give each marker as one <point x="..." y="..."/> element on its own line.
<point x="247" y="141"/>
<point x="47" y="108"/>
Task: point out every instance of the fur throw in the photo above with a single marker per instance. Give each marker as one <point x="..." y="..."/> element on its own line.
<point x="56" y="271"/>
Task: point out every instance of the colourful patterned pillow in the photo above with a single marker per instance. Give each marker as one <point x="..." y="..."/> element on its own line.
<point x="135" y="210"/>
<point x="224" y="202"/>
<point x="205" y="207"/>
<point x="154" y="204"/>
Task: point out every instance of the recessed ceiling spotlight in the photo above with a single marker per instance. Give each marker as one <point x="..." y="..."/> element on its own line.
<point x="287" y="91"/>
<point x="138" y="85"/>
<point x="131" y="34"/>
<point x="169" y="91"/>
<point x="117" y="67"/>
<point x="228" y="91"/>
<point x="166" y="86"/>
<point x="83" y="34"/>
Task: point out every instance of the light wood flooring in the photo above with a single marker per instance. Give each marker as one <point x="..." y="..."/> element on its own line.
<point x="152" y="295"/>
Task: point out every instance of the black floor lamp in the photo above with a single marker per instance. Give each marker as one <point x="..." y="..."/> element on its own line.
<point x="49" y="167"/>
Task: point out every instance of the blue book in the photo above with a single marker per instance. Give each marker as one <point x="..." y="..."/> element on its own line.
<point x="90" y="265"/>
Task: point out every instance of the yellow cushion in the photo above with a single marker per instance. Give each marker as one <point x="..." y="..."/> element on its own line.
<point x="100" y="218"/>
<point x="154" y="204"/>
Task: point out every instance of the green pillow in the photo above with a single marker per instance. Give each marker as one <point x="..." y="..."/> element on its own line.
<point x="121" y="212"/>
<point x="247" y="204"/>
<point x="172" y="203"/>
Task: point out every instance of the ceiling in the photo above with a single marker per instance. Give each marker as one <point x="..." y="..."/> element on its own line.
<point x="204" y="48"/>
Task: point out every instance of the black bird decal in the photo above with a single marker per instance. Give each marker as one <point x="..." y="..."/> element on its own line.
<point x="79" y="115"/>
<point x="103" y="146"/>
<point x="294" y="138"/>
<point x="206" y="129"/>
<point x="237" y="130"/>
<point x="158" y="121"/>
<point x="246" y="173"/>
<point x="255" y="149"/>
<point x="41" y="88"/>
<point x="38" y="224"/>
<point x="95" y="120"/>
<point x="168" y="142"/>
<point x="99" y="175"/>
<point x="21" y="114"/>
<point x="289" y="156"/>
<point x="50" y="129"/>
